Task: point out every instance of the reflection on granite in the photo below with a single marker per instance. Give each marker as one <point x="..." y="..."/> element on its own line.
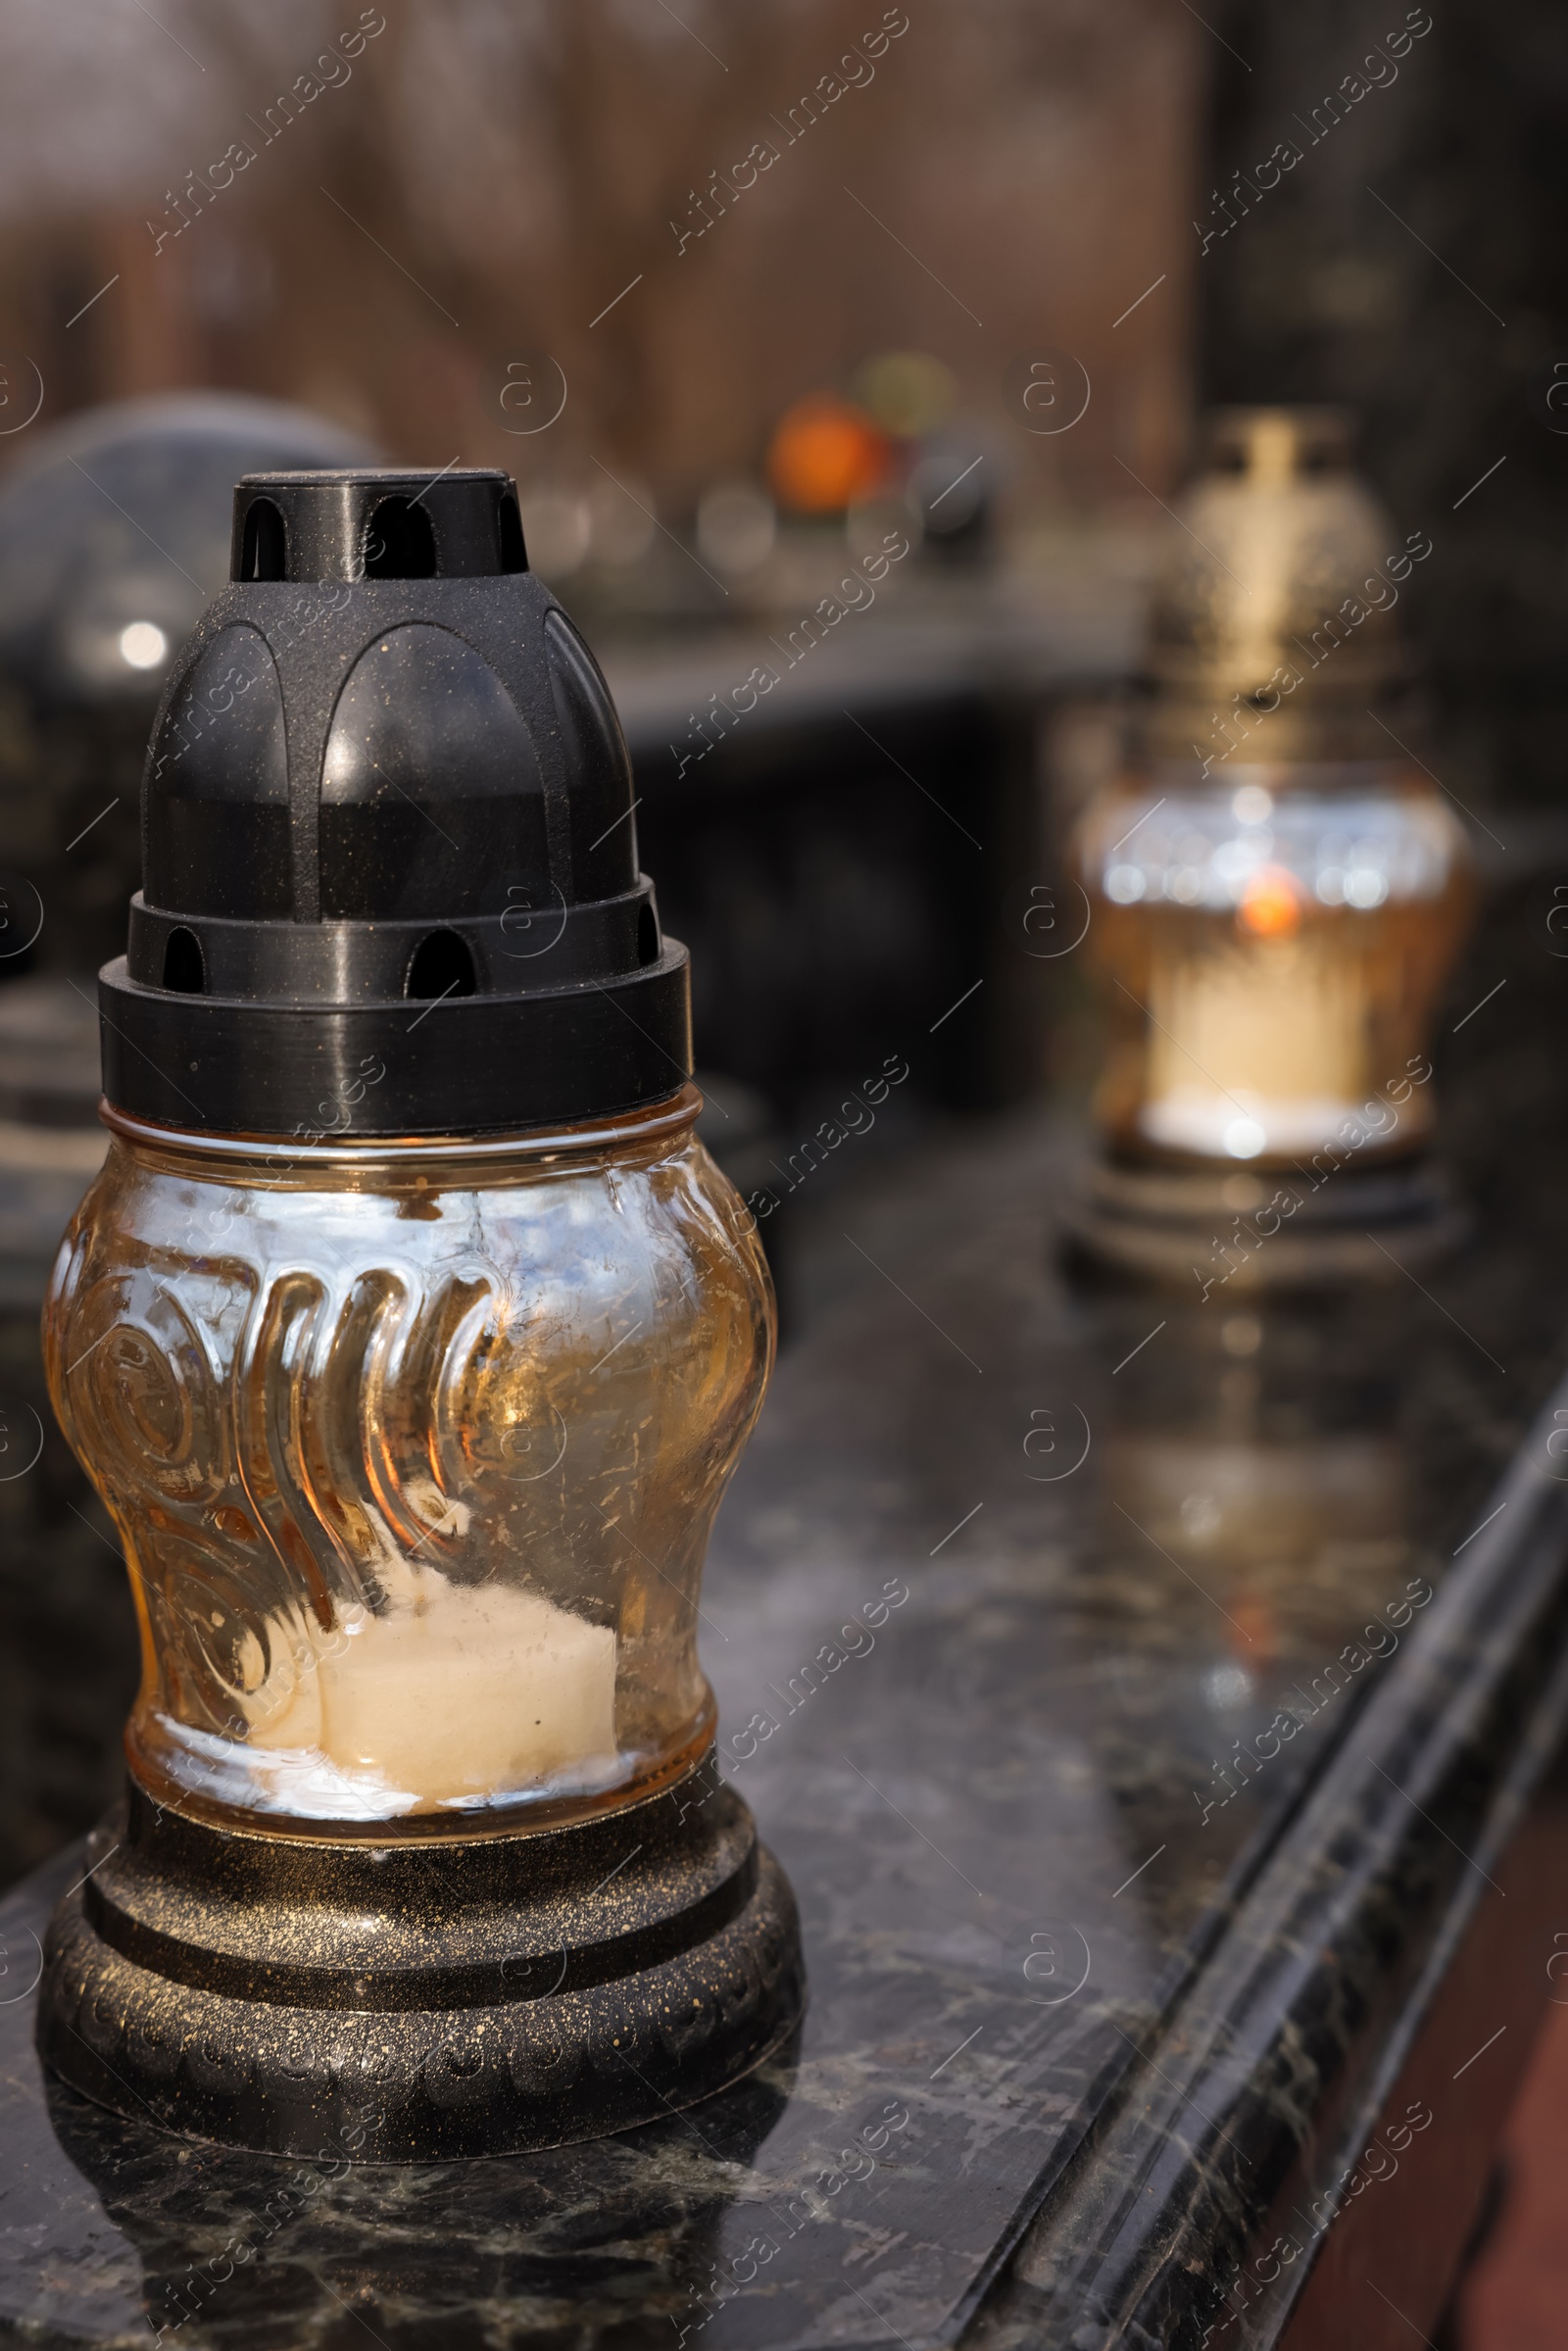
<point x="1024" y="1809"/>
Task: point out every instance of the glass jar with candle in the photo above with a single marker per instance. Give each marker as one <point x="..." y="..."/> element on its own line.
<point x="415" y="1450"/>
<point x="411" y="1337"/>
<point x="1278" y="888"/>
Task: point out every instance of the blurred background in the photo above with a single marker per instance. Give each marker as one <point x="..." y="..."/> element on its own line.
<point x="859" y="350"/>
<point x="739" y="291"/>
<point x="432" y="225"/>
<point x="849" y="360"/>
<point x="473" y="186"/>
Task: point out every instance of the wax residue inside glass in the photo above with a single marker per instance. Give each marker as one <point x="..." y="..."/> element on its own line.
<point x="450" y="1695"/>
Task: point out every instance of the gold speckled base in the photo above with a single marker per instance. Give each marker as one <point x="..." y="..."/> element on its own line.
<point x="400" y="2002"/>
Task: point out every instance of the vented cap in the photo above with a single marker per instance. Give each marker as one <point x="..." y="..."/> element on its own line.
<point x="389" y="861"/>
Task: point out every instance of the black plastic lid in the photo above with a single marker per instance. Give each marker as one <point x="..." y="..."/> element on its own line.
<point x="389" y="861"/>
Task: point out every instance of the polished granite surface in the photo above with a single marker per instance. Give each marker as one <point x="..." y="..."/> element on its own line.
<point x="1039" y="1618"/>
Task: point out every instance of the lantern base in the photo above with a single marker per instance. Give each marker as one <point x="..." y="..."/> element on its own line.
<point x="1260" y="1231"/>
<point x="424" y="1998"/>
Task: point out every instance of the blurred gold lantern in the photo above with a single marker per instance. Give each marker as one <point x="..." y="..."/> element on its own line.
<point x="1278" y="888"/>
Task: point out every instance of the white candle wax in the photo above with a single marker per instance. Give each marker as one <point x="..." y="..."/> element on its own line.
<point x="453" y="1692"/>
<point x="1255" y="1046"/>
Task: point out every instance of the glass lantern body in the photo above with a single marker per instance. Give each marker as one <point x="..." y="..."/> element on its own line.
<point x="1274" y="941"/>
<point x="415" y="1451"/>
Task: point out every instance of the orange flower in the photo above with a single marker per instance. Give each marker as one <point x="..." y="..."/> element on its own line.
<point x="826" y="454"/>
<point x="1271" y="903"/>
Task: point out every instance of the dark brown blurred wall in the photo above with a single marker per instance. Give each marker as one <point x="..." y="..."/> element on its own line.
<point x="474" y="183"/>
<point x="1411" y="262"/>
